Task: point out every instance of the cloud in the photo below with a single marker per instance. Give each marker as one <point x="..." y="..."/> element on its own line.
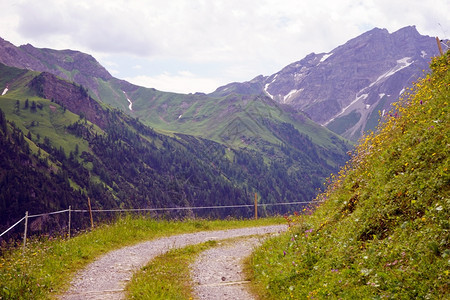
<point x="102" y="26"/>
<point x="231" y="30"/>
<point x="181" y="82"/>
<point x="236" y="39"/>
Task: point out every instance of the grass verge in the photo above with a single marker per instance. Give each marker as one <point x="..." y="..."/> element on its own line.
<point x="167" y="276"/>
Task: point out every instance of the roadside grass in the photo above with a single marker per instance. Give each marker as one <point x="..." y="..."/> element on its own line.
<point x="167" y="276"/>
<point x="381" y="227"/>
<point x="45" y="267"/>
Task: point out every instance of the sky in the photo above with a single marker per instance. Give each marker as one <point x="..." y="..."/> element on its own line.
<point x="192" y="46"/>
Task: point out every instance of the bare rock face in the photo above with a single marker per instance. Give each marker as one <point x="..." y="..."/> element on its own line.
<point x="73" y="97"/>
<point x="347" y="88"/>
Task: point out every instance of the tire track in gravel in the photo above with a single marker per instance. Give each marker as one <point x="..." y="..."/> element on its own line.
<point x="106" y="277"/>
<point x="218" y="272"/>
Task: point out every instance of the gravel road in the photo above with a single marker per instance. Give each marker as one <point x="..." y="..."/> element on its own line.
<point x="218" y="272"/>
<point x="106" y="277"/>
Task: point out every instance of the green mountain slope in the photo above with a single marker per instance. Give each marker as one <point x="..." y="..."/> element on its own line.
<point x="208" y="116"/>
<point x="55" y="132"/>
<point x="284" y="143"/>
<point x="382" y="230"/>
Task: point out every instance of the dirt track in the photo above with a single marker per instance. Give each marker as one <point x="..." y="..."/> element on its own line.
<point x="106" y="277"/>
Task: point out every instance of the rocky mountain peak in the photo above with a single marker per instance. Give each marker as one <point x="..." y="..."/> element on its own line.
<point x="347" y="88"/>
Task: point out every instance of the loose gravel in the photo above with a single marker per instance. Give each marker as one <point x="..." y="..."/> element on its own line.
<point x="218" y="272"/>
<point x="106" y="277"/>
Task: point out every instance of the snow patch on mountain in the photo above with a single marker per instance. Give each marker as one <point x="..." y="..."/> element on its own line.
<point x="5" y="91"/>
<point x="401" y="64"/>
<point x="357" y="98"/>
<point x="324" y="58"/>
<point x="266" y="87"/>
<point x="292" y="92"/>
<point x="129" y="101"/>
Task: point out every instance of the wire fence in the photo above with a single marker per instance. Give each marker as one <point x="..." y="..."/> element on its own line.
<point x="90" y="211"/>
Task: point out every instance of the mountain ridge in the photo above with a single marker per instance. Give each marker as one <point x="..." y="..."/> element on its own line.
<point x="58" y="133"/>
<point x="346" y="88"/>
<point x="235" y="120"/>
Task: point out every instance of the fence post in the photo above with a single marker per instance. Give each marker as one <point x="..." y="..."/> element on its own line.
<point x="25" y="231"/>
<point x="69" y="219"/>
<point x="256" y="206"/>
<point x="439" y="46"/>
<point x="90" y="213"/>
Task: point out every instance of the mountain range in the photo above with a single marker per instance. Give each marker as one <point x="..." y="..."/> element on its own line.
<point x="70" y="131"/>
<point x="129" y="146"/>
<point x="348" y="88"/>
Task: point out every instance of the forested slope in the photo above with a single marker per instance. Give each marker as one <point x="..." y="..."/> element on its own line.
<point x="61" y="146"/>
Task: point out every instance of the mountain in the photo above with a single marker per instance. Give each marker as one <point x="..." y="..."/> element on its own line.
<point x="381" y="228"/>
<point x="275" y="140"/>
<point x="60" y="145"/>
<point x="75" y="66"/>
<point x="348" y="88"/>
<point x="199" y="114"/>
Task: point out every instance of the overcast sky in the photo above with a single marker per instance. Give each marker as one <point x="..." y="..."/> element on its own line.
<point x="199" y="45"/>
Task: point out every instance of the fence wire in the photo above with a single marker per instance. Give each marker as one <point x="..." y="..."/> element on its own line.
<point x="12" y="226"/>
<point x="154" y="209"/>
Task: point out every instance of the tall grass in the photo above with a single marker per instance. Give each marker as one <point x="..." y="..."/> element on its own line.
<point x="47" y="264"/>
<point x="383" y="229"/>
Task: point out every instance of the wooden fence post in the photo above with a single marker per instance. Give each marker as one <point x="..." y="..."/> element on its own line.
<point x="439" y="46"/>
<point x="25" y="231"/>
<point x="69" y="219"/>
<point x="256" y="206"/>
<point x="90" y="213"/>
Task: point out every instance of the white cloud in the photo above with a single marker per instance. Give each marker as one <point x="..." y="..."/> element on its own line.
<point x="243" y="38"/>
<point x="182" y="82"/>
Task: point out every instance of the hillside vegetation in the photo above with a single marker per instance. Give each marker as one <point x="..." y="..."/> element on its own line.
<point x="381" y="228"/>
<point x="61" y="146"/>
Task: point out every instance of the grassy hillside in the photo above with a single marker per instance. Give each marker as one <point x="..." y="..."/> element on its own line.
<point x="382" y="230"/>
<point x="215" y="118"/>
